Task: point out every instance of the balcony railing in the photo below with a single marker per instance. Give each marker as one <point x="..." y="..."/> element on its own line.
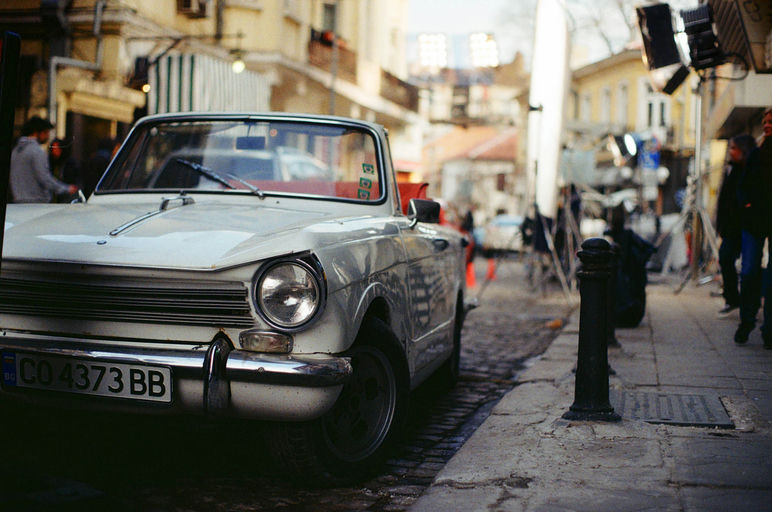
<point x="320" y="56"/>
<point x="392" y="88"/>
<point x="398" y="91"/>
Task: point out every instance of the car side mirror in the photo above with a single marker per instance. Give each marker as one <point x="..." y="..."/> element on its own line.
<point x="423" y="210"/>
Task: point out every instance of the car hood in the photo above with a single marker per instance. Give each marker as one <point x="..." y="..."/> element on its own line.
<point x="196" y="236"/>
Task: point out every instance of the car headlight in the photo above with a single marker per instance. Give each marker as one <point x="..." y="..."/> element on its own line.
<point x="288" y="293"/>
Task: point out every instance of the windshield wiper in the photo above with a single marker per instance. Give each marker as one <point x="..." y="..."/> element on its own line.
<point x="206" y="171"/>
<point x="259" y="193"/>
<point x="212" y="175"/>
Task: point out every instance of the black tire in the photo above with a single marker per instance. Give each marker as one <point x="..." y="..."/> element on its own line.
<point x="448" y="373"/>
<point x="353" y="439"/>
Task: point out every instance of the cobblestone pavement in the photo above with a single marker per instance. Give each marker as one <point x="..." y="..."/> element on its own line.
<point x="65" y="464"/>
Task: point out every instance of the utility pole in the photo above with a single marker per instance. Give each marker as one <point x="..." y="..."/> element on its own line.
<point x="696" y="220"/>
<point x="334" y="62"/>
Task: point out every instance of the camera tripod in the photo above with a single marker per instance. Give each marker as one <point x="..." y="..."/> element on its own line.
<point x="702" y="229"/>
<point x="573" y="237"/>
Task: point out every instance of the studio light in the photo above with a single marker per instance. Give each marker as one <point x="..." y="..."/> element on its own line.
<point x="624" y="148"/>
<point x="630" y="144"/>
<point x="704" y="49"/>
<point x="661" y="53"/>
<point x="672" y="44"/>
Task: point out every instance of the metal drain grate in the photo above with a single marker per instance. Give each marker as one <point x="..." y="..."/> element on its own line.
<point x="703" y="410"/>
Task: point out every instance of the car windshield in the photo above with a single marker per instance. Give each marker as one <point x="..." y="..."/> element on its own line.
<point x="248" y="156"/>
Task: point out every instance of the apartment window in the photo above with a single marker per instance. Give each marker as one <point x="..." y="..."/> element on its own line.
<point x="657" y="108"/>
<point x="585" y="109"/>
<point x="329" y="15"/>
<point x="623" y="98"/>
<point x="662" y="114"/>
<point x="649" y="114"/>
<point x="575" y="105"/>
<point x="658" y="111"/>
<point x="460" y="101"/>
<point x="194" y="8"/>
<point x="293" y="10"/>
<point x="605" y="105"/>
<point x="501" y="182"/>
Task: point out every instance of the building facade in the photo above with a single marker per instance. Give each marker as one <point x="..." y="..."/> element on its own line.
<point x="735" y="94"/>
<point x="474" y="120"/>
<point x="95" y="66"/>
<point x="611" y="98"/>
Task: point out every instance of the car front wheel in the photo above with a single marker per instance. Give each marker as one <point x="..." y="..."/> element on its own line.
<point x="353" y="439"/>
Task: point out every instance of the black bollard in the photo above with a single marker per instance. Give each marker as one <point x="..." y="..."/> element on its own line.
<point x="591" y="401"/>
<point x="611" y="312"/>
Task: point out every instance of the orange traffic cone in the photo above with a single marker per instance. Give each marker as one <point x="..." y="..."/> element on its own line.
<point x="491" y="274"/>
<point x="471" y="282"/>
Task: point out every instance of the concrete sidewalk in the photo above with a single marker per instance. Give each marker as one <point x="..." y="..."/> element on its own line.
<point x="682" y="359"/>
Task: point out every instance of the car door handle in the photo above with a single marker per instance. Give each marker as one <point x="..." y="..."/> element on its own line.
<point x="440" y="244"/>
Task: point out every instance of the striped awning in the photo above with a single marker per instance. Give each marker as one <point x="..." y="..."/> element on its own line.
<point x="201" y="83"/>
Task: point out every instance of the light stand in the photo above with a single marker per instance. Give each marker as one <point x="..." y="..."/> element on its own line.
<point x="557" y="267"/>
<point x="668" y="65"/>
<point x="692" y="208"/>
<point x="573" y="235"/>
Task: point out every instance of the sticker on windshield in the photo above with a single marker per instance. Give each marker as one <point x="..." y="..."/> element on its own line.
<point x="366" y="181"/>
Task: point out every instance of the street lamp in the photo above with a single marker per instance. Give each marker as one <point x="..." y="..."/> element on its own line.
<point x="238" y="65"/>
<point x="143" y="64"/>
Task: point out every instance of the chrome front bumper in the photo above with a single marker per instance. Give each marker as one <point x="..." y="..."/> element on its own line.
<point x="211" y="379"/>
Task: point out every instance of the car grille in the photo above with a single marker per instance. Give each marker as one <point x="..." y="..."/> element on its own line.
<point x="218" y="304"/>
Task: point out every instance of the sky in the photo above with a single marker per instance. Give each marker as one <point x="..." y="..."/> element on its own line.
<point x="506" y="19"/>
<point x="456" y="17"/>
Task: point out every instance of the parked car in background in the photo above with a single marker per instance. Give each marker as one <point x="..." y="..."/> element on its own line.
<point x="206" y="277"/>
<point x="246" y="164"/>
<point x="502" y="235"/>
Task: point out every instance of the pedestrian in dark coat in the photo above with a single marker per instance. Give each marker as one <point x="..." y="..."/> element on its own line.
<point x="728" y="219"/>
<point x="63" y="165"/>
<point x="97" y="164"/>
<point x="755" y="194"/>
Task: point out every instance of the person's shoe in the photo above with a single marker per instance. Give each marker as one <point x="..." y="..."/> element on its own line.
<point x="741" y="334"/>
<point x="728" y="308"/>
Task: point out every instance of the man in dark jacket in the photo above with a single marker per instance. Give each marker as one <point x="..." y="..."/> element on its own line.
<point x="728" y="219"/>
<point x="755" y="194"/>
<point x="31" y="180"/>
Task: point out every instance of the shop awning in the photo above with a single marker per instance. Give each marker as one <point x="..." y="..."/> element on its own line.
<point x="200" y="83"/>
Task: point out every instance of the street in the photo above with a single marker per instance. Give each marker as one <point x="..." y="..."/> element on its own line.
<point x="69" y="461"/>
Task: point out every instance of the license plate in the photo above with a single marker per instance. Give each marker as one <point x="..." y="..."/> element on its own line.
<point x="137" y="382"/>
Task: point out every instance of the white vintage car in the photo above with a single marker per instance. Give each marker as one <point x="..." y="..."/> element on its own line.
<point x="204" y="276"/>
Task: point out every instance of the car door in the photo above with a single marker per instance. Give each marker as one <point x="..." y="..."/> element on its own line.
<point x="431" y="298"/>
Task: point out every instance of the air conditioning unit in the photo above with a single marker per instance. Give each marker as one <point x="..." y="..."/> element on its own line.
<point x="195" y="8"/>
